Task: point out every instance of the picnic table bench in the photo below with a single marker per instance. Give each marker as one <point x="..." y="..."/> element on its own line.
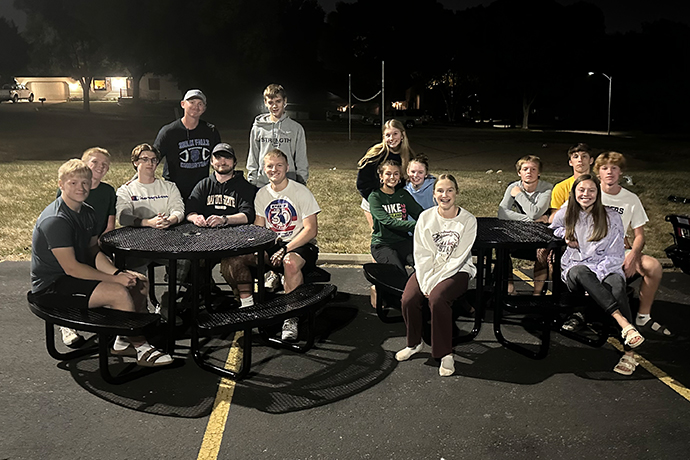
<point x="307" y="299"/>
<point x="104" y="322"/>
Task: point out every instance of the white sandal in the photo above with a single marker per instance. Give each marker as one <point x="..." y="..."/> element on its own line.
<point x="632" y="337"/>
<point x="626" y="365"/>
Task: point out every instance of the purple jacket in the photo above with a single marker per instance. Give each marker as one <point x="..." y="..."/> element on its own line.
<point x="603" y="257"/>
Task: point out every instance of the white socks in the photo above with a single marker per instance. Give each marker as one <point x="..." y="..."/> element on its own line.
<point x="248" y="302"/>
<point x="447" y="366"/>
<point x="407" y="352"/>
<point x="120" y="343"/>
<point x="641" y="320"/>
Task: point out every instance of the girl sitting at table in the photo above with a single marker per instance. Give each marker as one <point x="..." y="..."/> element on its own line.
<point x="390" y="206"/>
<point x="420" y="183"/>
<point x="393" y="146"/>
<point x="593" y="259"/>
<point x="443" y="240"/>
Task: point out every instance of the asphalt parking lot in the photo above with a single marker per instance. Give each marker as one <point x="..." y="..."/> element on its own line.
<point x="348" y="398"/>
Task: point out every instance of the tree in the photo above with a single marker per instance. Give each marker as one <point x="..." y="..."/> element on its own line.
<point x="65" y="39"/>
<point x="14" y="51"/>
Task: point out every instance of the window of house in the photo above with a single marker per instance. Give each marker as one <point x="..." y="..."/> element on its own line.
<point x="99" y="84"/>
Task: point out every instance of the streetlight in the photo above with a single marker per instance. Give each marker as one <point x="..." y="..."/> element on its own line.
<point x="610" y="81"/>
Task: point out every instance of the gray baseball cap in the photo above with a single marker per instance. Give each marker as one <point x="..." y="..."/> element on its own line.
<point x="224" y="149"/>
<point x="195" y="93"/>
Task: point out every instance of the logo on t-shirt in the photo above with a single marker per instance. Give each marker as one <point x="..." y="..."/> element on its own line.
<point x="446" y="241"/>
<point x="281" y="216"/>
<point x="194" y="153"/>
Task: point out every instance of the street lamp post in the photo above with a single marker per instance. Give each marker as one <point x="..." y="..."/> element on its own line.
<point x="608" y="132"/>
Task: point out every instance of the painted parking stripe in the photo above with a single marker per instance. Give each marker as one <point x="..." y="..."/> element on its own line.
<point x="656" y="372"/>
<point x="221" y="406"/>
<point x="645" y="363"/>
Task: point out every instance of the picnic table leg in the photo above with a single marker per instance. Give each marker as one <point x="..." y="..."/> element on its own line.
<point x="172" y="305"/>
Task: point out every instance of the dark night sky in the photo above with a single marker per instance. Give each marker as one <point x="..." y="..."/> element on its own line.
<point x="621" y="15"/>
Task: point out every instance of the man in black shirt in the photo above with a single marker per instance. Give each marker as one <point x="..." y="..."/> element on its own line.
<point x="187" y="143"/>
<point x="224" y="198"/>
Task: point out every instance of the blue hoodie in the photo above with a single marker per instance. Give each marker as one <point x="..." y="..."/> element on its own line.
<point x="425" y="195"/>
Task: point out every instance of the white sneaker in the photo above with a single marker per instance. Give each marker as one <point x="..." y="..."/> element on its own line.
<point x="271" y="281"/>
<point x="290" y="329"/>
<point x="70" y="337"/>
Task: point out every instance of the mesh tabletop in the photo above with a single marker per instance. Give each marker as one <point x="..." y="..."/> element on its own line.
<point x="494" y="232"/>
<point x="187" y="241"/>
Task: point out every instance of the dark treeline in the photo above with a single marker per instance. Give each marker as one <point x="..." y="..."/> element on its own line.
<point x="522" y="61"/>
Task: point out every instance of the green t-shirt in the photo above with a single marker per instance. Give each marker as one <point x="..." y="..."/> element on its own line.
<point x="102" y="199"/>
<point x="390" y="213"/>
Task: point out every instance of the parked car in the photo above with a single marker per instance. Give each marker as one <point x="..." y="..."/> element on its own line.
<point x="15" y="92"/>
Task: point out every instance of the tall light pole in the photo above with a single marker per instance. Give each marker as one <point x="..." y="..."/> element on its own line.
<point x="608" y="133"/>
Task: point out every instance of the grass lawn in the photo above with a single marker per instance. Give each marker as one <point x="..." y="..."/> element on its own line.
<point x="27" y="187"/>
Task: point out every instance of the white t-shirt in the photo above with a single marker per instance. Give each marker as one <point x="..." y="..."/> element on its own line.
<point x="286" y="210"/>
<point x="629" y="206"/>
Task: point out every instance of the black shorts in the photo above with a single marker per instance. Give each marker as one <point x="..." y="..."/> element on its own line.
<point x="308" y="252"/>
<point x="67" y="290"/>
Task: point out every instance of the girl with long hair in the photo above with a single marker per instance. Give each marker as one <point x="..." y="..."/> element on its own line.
<point x="593" y="259"/>
<point x="393" y="146"/>
<point x="391" y="242"/>
<point x="443" y="240"/>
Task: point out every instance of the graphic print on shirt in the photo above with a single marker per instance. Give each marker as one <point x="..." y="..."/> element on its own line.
<point x="194" y="153"/>
<point x="276" y="142"/>
<point x="396" y="211"/>
<point x="281" y="216"/>
<point x="446" y="241"/>
<point x="220" y="201"/>
<point x="149" y="198"/>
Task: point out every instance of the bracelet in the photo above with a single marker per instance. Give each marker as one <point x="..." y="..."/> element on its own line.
<point x="119" y="270"/>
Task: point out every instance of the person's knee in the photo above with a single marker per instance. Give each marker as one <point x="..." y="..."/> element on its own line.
<point x="650" y="268"/>
<point x="292" y="264"/>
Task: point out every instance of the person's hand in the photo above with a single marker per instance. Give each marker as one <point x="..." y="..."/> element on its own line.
<point x="160" y="221"/>
<point x="277" y="257"/>
<point x="216" y="221"/>
<point x="199" y="220"/>
<point x="543" y="219"/>
<point x="572" y="244"/>
<point x="126" y="279"/>
<point x="166" y="221"/>
<point x="515" y="191"/>
<point x="630" y="263"/>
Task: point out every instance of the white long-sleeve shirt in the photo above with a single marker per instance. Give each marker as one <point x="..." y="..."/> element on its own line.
<point x="144" y="201"/>
<point x="443" y="247"/>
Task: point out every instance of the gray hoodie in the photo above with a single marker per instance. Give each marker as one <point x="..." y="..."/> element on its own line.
<point x="286" y="135"/>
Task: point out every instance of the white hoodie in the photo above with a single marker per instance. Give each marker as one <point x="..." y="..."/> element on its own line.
<point x="284" y="134"/>
<point x="443" y="247"/>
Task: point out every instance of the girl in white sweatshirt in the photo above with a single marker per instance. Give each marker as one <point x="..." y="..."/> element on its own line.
<point x="443" y="240"/>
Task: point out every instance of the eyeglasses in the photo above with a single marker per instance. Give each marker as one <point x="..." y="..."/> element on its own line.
<point x="152" y="160"/>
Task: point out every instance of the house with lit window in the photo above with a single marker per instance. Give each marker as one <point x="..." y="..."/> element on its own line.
<point x="60" y="89"/>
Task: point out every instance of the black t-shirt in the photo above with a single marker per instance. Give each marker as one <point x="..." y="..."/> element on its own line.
<point x="234" y="196"/>
<point x="60" y="227"/>
<point x="187" y="153"/>
<point x="368" y="177"/>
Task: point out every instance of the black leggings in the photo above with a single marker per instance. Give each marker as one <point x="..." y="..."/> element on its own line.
<point x="397" y="254"/>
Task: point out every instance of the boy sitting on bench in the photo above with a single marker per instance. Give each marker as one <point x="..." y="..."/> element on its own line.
<point x="609" y="166"/>
<point x="68" y="267"/>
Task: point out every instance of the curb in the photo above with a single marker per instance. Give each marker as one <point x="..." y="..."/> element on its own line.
<point x="360" y="259"/>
